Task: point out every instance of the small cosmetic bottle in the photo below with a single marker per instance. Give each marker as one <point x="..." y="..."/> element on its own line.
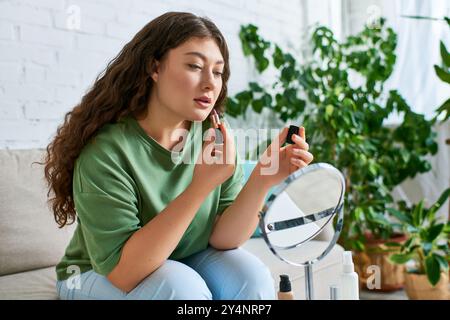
<point x="215" y="119"/>
<point x="285" y="292"/>
<point x="334" y="292"/>
<point x="349" y="278"/>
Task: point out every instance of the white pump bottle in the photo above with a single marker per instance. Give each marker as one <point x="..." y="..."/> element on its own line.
<point x="349" y="278"/>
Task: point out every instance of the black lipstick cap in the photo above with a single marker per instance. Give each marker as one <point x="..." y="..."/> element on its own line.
<point x="292" y="130"/>
<point x="285" y="283"/>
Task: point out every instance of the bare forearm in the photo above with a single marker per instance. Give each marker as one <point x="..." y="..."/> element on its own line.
<point x="150" y="246"/>
<point x="238" y="222"/>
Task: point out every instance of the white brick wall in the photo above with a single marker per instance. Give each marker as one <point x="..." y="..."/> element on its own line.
<point x="46" y="66"/>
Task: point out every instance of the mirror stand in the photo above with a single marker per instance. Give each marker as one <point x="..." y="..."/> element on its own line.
<point x="309" y="288"/>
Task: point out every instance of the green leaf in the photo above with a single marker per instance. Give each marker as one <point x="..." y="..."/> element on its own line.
<point x="432" y="269"/>
<point x="262" y="64"/>
<point x="442" y="74"/>
<point x="445" y="108"/>
<point x="420" y="17"/>
<point x="447" y="227"/>
<point x="373" y="169"/>
<point x="233" y="108"/>
<point x="291" y="95"/>
<point x="377" y="218"/>
<point x="445" y="55"/>
<point x="244" y="98"/>
<point x="329" y="110"/>
<point x="443" y="197"/>
<point x="246" y="49"/>
<point x="267" y="99"/>
<point x="434" y="232"/>
<point x="408" y="243"/>
<point x="255" y="87"/>
<point x="278" y="59"/>
<point x="287" y="74"/>
<point x="358" y="213"/>
<point x="257" y="105"/>
<point x="443" y="263"/>
<point x="359" y="245"/>
<point x="402" y="217"/>
<point x="400" y="258"/>
<point x="417" y="214"/>
<point x="349" y="103"/>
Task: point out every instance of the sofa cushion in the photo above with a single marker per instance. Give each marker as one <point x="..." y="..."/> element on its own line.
<point x="29" y="237"/>
<point x="30" y="285"/>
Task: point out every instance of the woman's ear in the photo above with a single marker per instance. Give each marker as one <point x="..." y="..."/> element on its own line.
<point x="155" y="71"/>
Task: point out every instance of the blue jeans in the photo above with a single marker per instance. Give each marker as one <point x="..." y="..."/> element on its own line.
<point x="210" y="274"/>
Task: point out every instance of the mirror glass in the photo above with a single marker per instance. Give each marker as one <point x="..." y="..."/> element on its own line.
<point x="303" y="207"/>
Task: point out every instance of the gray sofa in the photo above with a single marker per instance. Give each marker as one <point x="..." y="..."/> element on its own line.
<point x="31" y="244"/>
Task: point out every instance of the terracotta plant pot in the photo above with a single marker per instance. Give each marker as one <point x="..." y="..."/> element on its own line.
<point x="391" y="275"/>
<point x="418" y="287"/>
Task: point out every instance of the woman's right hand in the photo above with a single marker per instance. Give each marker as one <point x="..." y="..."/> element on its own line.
<point x="216" y="163"/>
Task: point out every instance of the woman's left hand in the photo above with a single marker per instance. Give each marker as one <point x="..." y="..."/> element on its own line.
<point x="277" y="162"/>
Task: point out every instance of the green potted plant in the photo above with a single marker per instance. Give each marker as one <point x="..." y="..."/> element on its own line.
<point x="345" y="125"/>
<point x="427" y="246"/>
<point x="443" y="72"/>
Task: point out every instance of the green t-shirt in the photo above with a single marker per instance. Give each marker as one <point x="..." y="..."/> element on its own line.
<point x="122" y="179"/>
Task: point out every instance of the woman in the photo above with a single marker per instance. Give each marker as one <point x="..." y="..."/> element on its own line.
<point x="151" y="225"/>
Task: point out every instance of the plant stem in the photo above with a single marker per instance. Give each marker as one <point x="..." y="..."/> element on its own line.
<point x="421" y="261"/>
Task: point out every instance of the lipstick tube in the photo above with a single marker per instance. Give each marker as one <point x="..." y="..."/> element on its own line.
<point x="215" y="119"/>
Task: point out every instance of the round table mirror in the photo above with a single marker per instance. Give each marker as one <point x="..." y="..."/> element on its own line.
<point x="299" y="209"/>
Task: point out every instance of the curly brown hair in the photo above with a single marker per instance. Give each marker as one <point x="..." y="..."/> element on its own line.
<point x="121" y="89"/>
